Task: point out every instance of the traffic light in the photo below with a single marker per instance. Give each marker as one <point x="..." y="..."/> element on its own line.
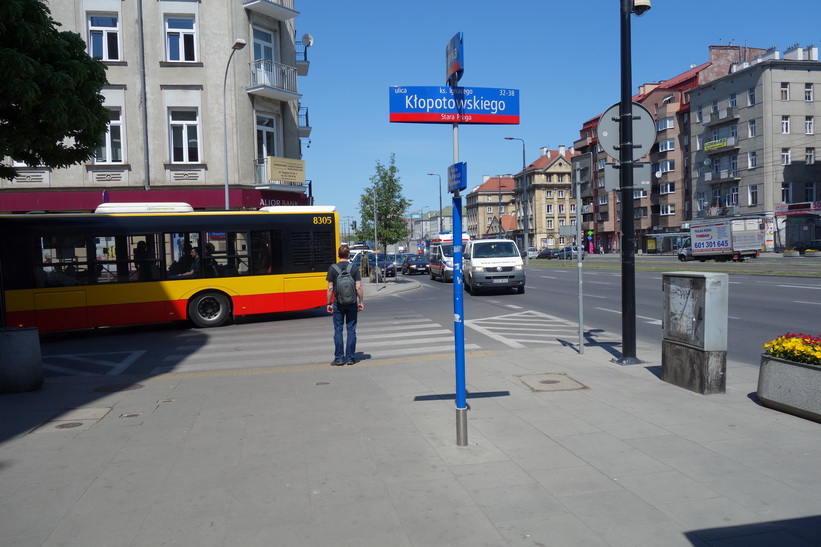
<point x="353" y="225"/>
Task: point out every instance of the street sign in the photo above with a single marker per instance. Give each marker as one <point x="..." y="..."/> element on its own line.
<point x="476" y="105"/>
<point x="454" y="60"/>
<point x="641" y="175"/>
<point x="457" y="177"/>
<point x="644" y="130"/>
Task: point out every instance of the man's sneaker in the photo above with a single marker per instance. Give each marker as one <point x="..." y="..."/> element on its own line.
<point x="350" y="362"/>
<point x="337" y="363"/>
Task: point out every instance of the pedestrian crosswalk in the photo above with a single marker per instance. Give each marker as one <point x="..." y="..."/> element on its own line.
<point x="526" y="329"/>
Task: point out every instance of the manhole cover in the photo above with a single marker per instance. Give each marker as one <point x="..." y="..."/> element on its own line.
<point x="550" y="382"/>
<point x="68" y="425"/>
<point x="116" y="387"/>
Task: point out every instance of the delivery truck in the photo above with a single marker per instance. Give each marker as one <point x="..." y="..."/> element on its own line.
<point x="723" y="240"/>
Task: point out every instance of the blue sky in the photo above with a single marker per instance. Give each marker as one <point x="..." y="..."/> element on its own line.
<point x="563" y="57"/>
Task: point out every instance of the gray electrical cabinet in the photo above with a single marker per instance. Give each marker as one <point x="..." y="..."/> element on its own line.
<point x="694" y="342"/>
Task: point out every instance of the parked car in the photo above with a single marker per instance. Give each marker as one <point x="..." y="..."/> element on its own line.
<point x="415" y="264"/>
<point x="568" y="253"/>
<point x="532" y="252"/>
<point x="802" y="247"/>
<point x="385" y="264"/>
<point x="548" y="253"/>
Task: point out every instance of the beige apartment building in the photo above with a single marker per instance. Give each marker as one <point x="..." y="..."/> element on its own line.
<point x="190" y="85"/>
<point x="552" y="202"/>
<point x="486" y="204"/>
<point x="755" y="145"/>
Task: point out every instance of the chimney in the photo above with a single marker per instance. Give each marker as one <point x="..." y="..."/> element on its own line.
<point x="544" y="152"/>
<point x="561" y="150"/>
<point x="485" y="178"/>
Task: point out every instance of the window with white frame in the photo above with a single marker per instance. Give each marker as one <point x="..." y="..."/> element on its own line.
<point x="699" y="142"/>
<point x="548" y="208"/>
<point x="549" y="194"/>
<point x="752" y="128"/>
<point x="489" y="198"/>
<point x="638" y="194"/>
<point x="667" y="209"/>
<point x="786" y="156"/>
<point x="734" y="131"/>
<point x="561" y="222"/>
<point x="732" y="197"/>
<point x="786" y="194"/>
<point x="667" y="144"/>
<point x="111" y="151"/>
<point x="550" y="224"/>
<point x="785" y="91"/>
<point x="501" y="208"/>
<point x="490" y="209"/>
<point x="561" y="208"/>
<point x="809" y="125"/>
<point x="785" y="125"/>
<point x="180" y="38"/>
<point x="714" y="107"/>
<point x="667" y="188"/>
<point x="183" y="125"/>
<point x="602" y="199"/>
<point x="718" y="201"/>
<point x="733" y="99"/>
<point x="489" y="220"/>
<point x="699" y="115"/>
<point x="809" y="156"/>
<point x="701" y="200"/>
<point x="665" y="123"/>
<point x="751" y="96"/>
<point x="600" y="164"/>
<point x="752" y="194"/>
<point x="665" y="166"/>
<point x="560" y="194"/>
<point x="808" y="93"/>
<point x="752" y="159"/>
<point x="104" y="37"/>
<point x="733" y="165"/>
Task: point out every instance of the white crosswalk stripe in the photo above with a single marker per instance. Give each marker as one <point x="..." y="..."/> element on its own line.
<point x="524" y="329"/>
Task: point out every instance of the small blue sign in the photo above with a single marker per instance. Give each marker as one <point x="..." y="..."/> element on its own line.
<point x="457" y="177"/>
<point x="454" y="60"/>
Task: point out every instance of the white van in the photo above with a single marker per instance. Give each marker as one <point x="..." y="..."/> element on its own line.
<point x="492" y="263"/>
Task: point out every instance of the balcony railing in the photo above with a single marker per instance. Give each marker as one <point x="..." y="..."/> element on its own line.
<point x="721" y="116"/>
<point x="304" y="124"/>
<point x="302" y="63"/>
<point x="721" y="176"/>
<point x="720" y="145"/>
<point x="273" y="80"/>
<point x="261" y="178"/>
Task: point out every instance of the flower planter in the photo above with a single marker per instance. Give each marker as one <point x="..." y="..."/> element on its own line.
<point x="791" y="254"/>
<point x="812" y="254"/>
<point x="790" y="387"/>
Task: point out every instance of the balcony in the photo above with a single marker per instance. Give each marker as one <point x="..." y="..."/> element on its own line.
<point x="262" y="179"/>
<point x="302" y="63"/>
<point x="281" y="10"/>
<point x="273" y="80"/>
<point x="723" y="175"/>
<point x="723" y="115"/>
<point x="304" y="124"/>
<point x="720" y="145"/>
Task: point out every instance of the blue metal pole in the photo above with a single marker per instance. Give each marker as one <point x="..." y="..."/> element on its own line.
<point x="459" y="309"/>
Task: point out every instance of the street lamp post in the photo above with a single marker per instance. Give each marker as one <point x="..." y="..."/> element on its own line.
<point x="525" y="239"/>
<point x="628" y="232"/>
<point x="239" y="43"/>
<point x="440" y="199"/>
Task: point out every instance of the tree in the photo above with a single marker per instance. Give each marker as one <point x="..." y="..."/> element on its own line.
<point x="391" y="224"/>
<point x="51" y="109"/>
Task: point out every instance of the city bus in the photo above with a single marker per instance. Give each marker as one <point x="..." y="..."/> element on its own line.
<point x="129" y="264"/>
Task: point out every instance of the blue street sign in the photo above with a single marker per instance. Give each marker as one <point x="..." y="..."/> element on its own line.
<point x="454" y="60"/>
<point x="457" y="177"/>
<point x="477" y="105"/>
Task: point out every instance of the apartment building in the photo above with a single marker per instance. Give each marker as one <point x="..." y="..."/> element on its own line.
<point x="486" y="204"/>
<point x="755" y="144"/>
<point x="551" y="198"/>
<point x="195" y="115"/>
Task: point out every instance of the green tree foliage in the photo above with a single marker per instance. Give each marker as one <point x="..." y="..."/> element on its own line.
<point x="51" y="109"/>
<point x="391" y="223"/>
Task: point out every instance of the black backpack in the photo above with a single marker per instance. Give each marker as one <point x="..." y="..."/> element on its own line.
<point x="345" y="286"/>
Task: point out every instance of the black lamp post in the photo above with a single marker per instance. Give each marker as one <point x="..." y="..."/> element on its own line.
<point x="525" y="239"/>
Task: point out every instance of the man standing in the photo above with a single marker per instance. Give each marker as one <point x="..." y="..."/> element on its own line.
<point x="344" y="302"/>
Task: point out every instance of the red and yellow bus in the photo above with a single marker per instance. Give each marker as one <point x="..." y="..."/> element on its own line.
<point x="123" y="264"/>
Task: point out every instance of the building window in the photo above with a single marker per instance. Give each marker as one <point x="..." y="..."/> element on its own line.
<point x="808" y="94"/>
<point x="549" y="209"/>
<point x="111" y="150"/>
<point x="665" y="123"/>
<point x="667" y="144"/>
<point x="104" y="37"/>
<point x="550" y="224"/>
<point x="561" y="222"/>
<point x="733" y="99"/>
<point x="785" y="91"/>
<point x="560" y="194"/>
<point x="809" y="125"/>
<point x="572" y="208"/>
<point x="185" y="141"/>
<point x="753" y="129"/>
<point x="666" y="166"/>
<point x="638" y="194"/>
<point x="561" y="208"/>
<point x="785" y="156"/>
<point x="699" y="115"/>
<point x="714" y="107"/>
<point x="501" y="209"/>
<point x="785" y="192"/>
<point x="699" y="142"/>
<point x="549" y="194"/>
<point x="752" y="159"/>
<point x="180" y="39"/>
<point x="667" y="188"/>
<point x="809" y="156"/>
<point x="734" y="165"/>
<point x="717" y="200"/>
<point x="668" y="209"/>
<point x="785" y="125"/>
<point x="732" y="197"/>
<point x="489" y="221"/>
<point x="751" y="96"/>
<point x="489" y="198"/>
<point x="701" y="200"/>
<point x="602" y="199"/>
<point x="752" y="194"/>
<point x="490" y="210"/>
<point x="809" y="191"/>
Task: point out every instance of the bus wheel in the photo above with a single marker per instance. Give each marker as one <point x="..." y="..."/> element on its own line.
<point x="209" y="309"/>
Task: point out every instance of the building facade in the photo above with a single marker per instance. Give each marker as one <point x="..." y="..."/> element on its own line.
<point x="490" y="200"/>
<point x="755" y="145"/>
<point x="190" y="85"/>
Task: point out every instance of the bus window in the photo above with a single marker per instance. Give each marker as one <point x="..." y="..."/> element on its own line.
<point x="63" y="262"/>
<point x="144" y="253"/>
<point x="226" y="254"/>
<point x="178" y="251"/>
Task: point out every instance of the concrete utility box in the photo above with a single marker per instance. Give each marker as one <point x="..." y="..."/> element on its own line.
<point x="694" y="344"/>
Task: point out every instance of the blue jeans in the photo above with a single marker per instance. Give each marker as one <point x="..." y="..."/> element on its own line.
<point x="345" y="315"/>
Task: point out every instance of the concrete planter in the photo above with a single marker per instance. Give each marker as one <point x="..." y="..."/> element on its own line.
<point x="813" y="254"/>
<point x="21" y="366"/>
<point x="791" y="254"/>
<point x="790" y="387"/>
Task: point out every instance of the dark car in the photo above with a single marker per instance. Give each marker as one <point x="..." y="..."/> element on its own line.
<point x="569" y="253"/>
<point x="802" y="247"/>
<point x="548" y="253"/>
<point x="385" y="265"/>
<point x="415" y="264"/>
